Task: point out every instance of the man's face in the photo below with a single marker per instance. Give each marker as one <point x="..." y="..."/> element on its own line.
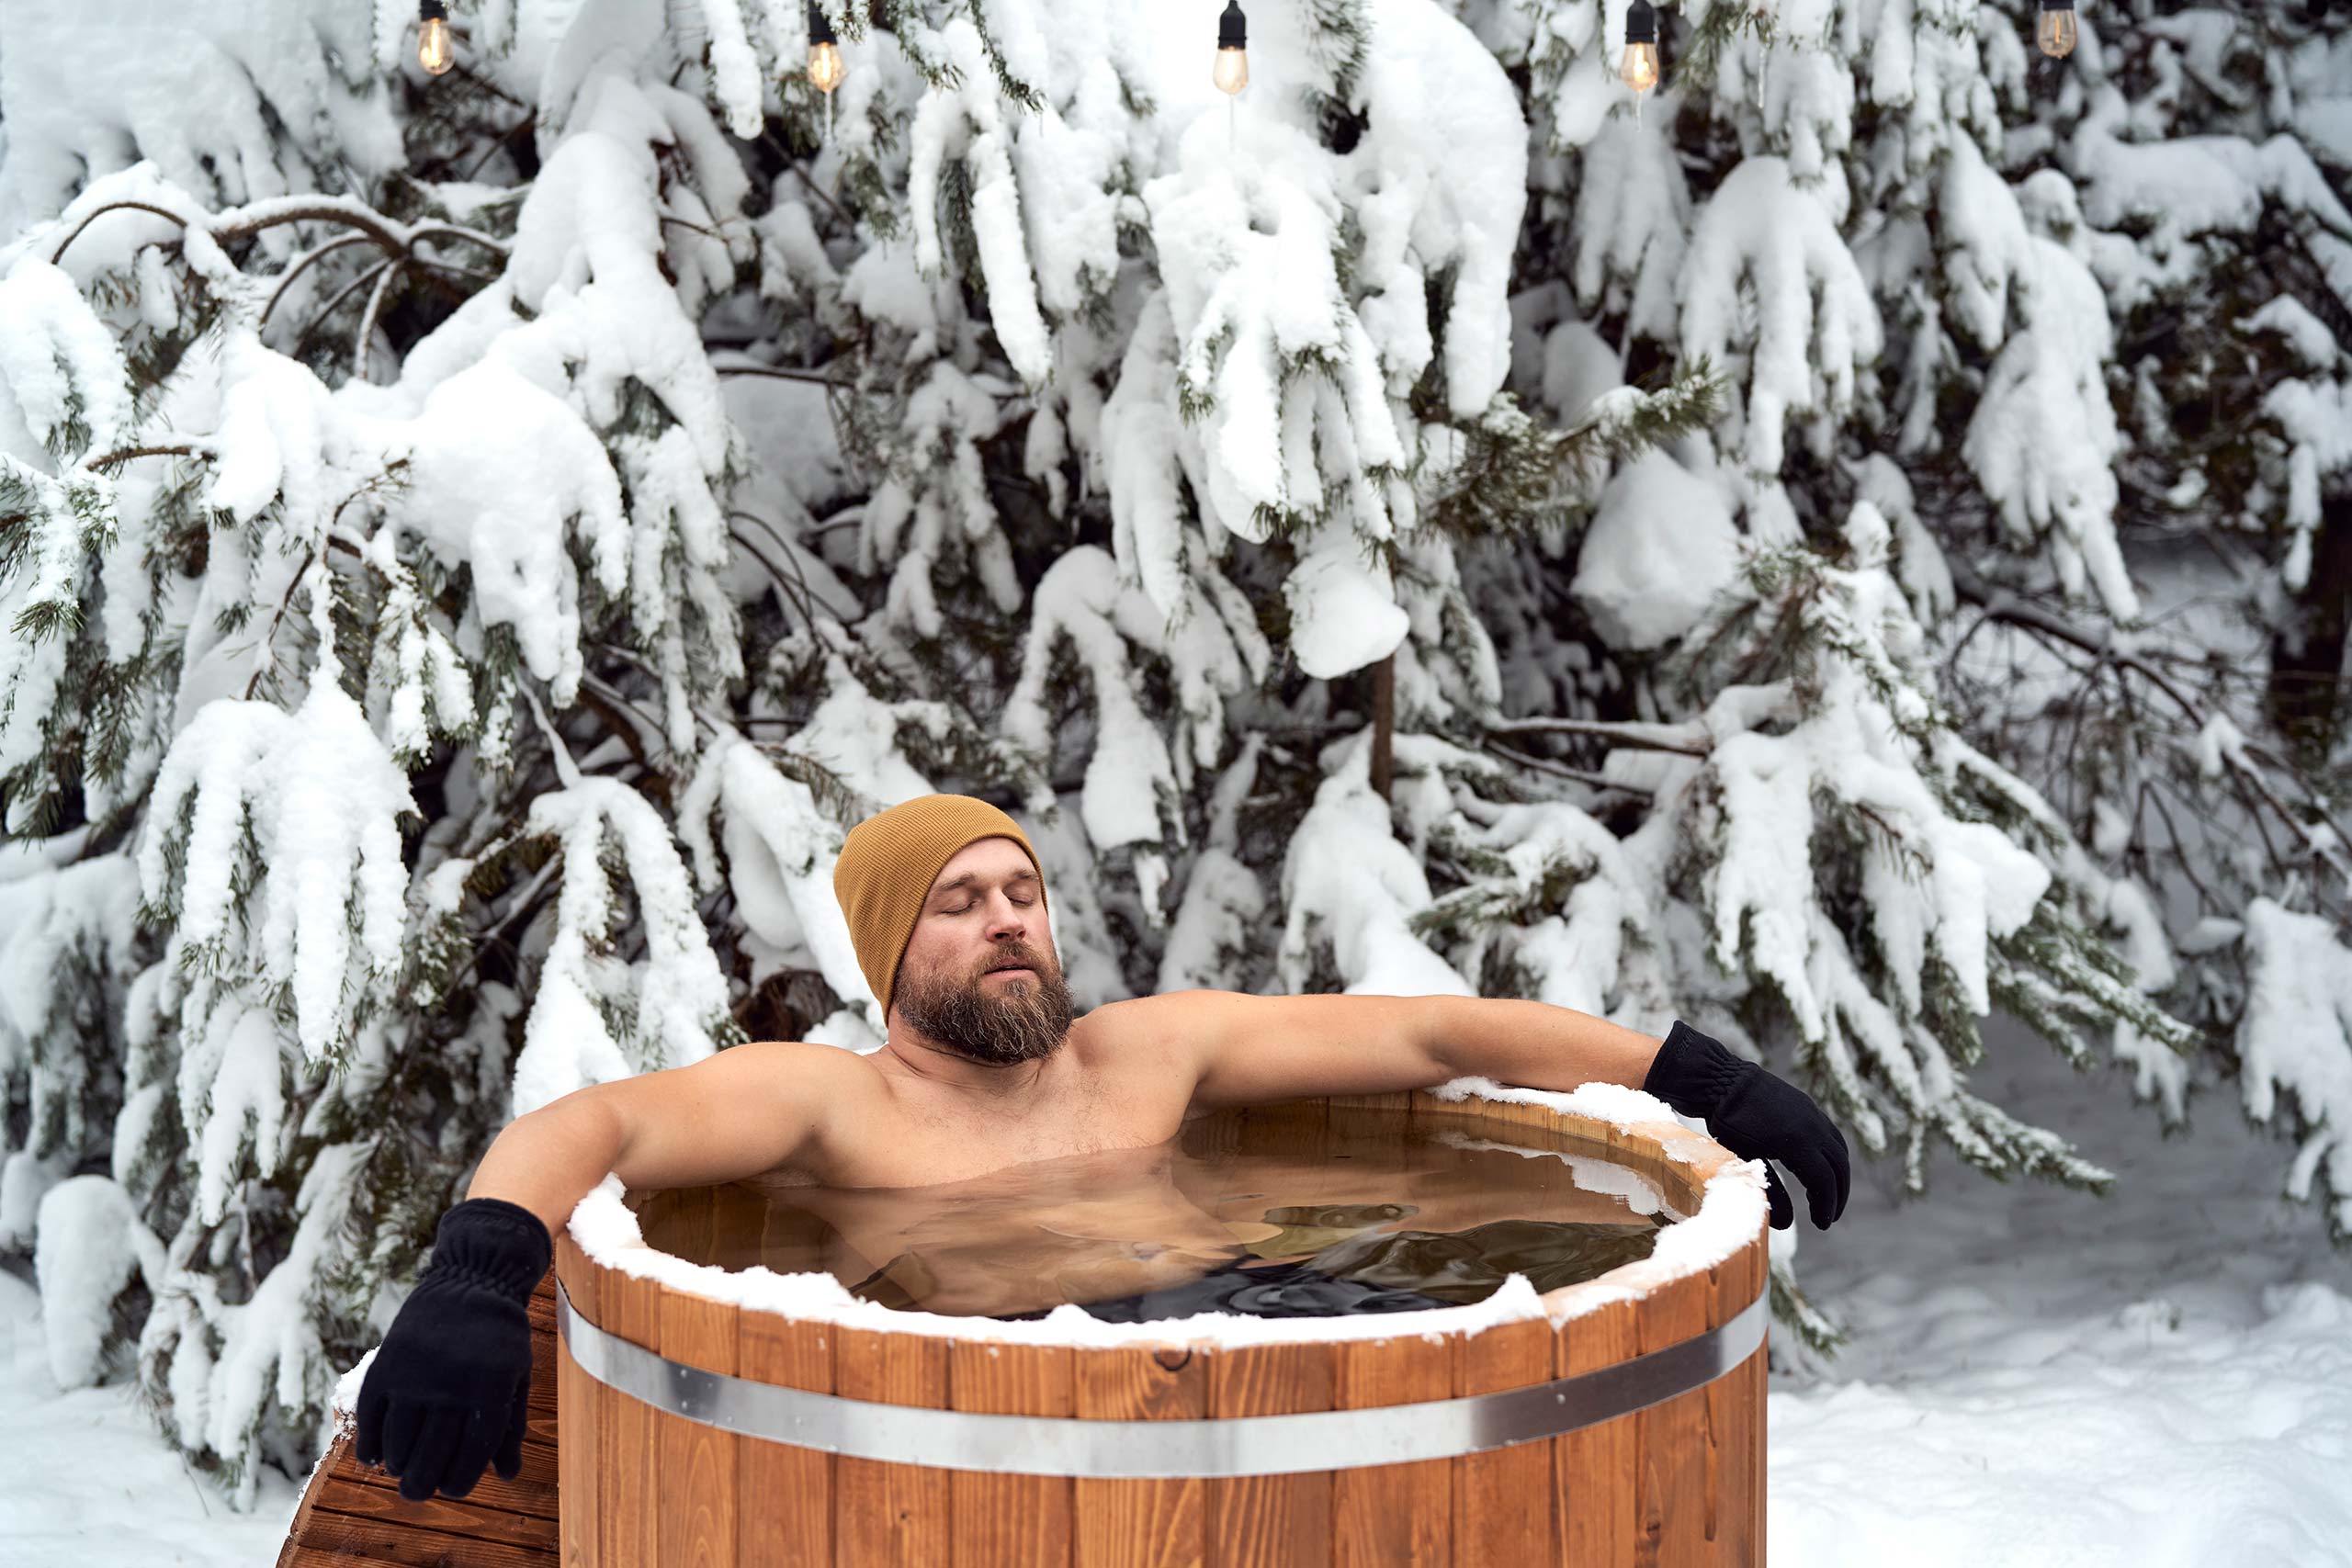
<point x="980" y="975"/>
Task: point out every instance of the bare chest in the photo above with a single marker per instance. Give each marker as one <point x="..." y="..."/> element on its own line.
<point x="918" y="1138"/>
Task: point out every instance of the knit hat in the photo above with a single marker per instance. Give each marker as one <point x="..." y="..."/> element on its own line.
<point x="888" y="863"/>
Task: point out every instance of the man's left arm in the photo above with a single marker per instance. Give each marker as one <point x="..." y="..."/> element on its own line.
<point x="1253" y="1050"/>
<point x="1750" y="1110"/>
<point x="1536" y="1044"/>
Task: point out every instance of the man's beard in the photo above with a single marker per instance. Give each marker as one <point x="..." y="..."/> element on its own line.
<point x="996" y="1025"/>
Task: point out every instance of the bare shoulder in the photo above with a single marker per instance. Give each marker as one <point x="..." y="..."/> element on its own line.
<point x="1161" y="1033"/>
<point x="787" y="1069"/>
<point x="744" y="1110"/>
<point x="802" y="1058"/>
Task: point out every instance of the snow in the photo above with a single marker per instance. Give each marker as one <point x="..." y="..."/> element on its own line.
<point x="499" y="466"/>
<point x="307" y="805"/>
<point x="1815" y="329"/>
<point x="675" y="992"/>
<point x="2160" y="1379"/>
<point x="780" y="852"/>
<point x="2297" y="1036"/>
<point x="967" y="122"/>
<point x="208" y="82"/>
<point x="1660" y="547"/>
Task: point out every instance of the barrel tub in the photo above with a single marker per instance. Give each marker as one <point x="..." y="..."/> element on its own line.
<point x="1615" y="1420"/>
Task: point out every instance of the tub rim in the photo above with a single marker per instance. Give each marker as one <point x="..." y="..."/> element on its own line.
<point x="1731" y="1215"/>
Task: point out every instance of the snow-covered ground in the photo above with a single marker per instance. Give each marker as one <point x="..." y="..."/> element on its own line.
<point x="2037" y="1377"/>
<point x="89" y="1483"/>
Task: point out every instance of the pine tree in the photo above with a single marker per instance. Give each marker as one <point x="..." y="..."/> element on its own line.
<point x="473" y="545"/>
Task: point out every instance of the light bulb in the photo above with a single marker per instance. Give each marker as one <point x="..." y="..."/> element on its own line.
<point x="435" y="50"/>
<point x="825" y="67"/>
<point x="1639" y="68"/>
<point x="2056" y="34"/>
<point x="1232" y="72"/>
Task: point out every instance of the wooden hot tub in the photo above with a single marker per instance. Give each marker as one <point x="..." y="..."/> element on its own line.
<point x="1658" y="1459"/>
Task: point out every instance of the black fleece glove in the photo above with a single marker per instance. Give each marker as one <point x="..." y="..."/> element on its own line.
<point x="449" y="1388"/>
<point x="1756" y="1115"/>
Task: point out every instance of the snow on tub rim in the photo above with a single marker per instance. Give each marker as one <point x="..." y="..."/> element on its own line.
<point x="766" y="1418"/>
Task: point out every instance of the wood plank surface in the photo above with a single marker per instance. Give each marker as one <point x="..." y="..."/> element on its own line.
<point x="579" y="1407"/>
<point x="1505" y="1509"/>
<point x="343" y="1540"/>
<point x="625" y="1469"/>
<point x="1270" y="1521"/>
<point x="451" y="1516"/>
<point x="532" y="1492"/>
<point x="1128" y="1523"/>
<point x="1736" y="1417"/>
<point x="697" y="1488"/>
<point x="337" y="1457"/>
<point x="893" y="1514"/>
<point x="786" y="1516"/>
<point x="1392" y="1516"/>
<point x="1592" y="1473"/>
<point x="1010" y="1521"/>
<point x="1674" y="1505"/>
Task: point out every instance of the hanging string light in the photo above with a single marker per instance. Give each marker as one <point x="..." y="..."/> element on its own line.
<point x="434" y="48"/>
<point x="2057" y="33"/>
<point x="825" y="66"/>
<point x="1232" y="72"/>
<point x="1639" y="70"/>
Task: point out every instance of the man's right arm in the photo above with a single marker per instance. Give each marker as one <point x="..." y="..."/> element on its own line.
<point x="742" y="1110"/>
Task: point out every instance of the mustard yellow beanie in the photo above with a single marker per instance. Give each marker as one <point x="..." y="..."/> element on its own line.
<point x="888" y="863"/>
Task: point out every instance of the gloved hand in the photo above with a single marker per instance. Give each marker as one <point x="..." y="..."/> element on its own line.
<point x="1756" y="1115"/>
<point x="449" y="1388"/>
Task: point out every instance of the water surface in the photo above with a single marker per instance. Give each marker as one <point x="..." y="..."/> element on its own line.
<point x="1271" y="1211"/>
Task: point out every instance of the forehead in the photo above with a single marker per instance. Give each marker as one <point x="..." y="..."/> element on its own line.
<point x="991" y="860"/>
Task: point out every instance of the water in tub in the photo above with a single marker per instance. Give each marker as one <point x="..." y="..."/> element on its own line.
<point x="1253" y="1213"/>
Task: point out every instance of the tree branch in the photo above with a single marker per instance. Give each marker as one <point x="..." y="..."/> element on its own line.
<point x="1690" y="739"/>
<point x="780" y="373"/>
<point x="128" y="453"/>
<point x="2002" y="604"/>
<point x="238" y="223"/>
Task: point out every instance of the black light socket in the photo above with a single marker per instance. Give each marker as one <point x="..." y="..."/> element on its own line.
<point x="431" y="11"/>
<point x="1232" y="29"/>
<point x="1641" y="23"/>
<point x="820" y="30"/>
<point x="2057" y="5"/>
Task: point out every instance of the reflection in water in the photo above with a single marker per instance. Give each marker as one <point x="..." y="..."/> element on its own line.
<point x="1270" y="1211"/>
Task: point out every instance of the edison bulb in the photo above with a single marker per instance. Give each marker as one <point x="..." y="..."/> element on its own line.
<point x="825" y="67"/>
<point x="1232" y="72"/>
<point x="2056" y="33"/>
<point x="1640" y="68"/>
<point x="433" y="49"/>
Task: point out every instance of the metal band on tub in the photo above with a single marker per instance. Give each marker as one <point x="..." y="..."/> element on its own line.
<point x="1215" y="1446"/>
